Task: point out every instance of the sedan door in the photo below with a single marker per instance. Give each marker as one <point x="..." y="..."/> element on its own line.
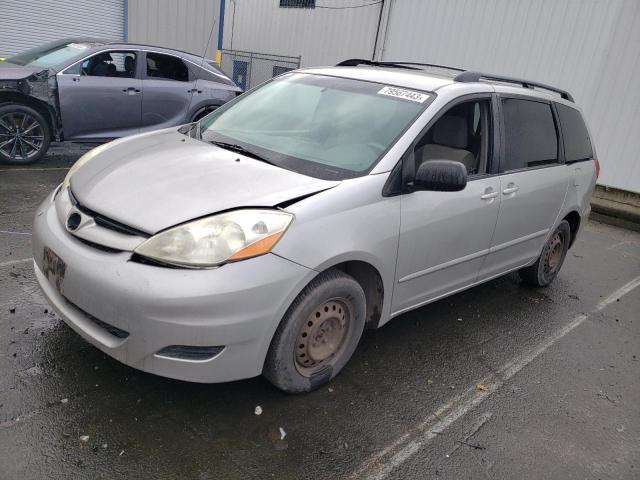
<point x="168" y="86"/>
<point x="445" y="236"/>
<point x="100" y="97"/>
<point x="533" y="184"/>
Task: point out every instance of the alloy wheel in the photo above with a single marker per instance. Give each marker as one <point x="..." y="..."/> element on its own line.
<point x="21" y="136"/>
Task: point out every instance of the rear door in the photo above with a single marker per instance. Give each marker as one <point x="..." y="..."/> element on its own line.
<point x="100" y="96"/>
<point x="533" y="183"/>
<point x="168" y="86"/>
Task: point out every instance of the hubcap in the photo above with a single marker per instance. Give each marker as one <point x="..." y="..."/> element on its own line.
<point x="21" y="136"/>
<point x="554" y="254"/>
<point x="323" y="335"/>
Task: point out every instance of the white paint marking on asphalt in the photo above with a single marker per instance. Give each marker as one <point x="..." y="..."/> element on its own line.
<point x="15" y="262"/>
<point x="9" y="232"/>
<point x="33" y="169"/>
<point x="382" y="463"/>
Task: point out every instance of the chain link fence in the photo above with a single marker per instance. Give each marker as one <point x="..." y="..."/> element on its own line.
<point x="249" y="69"/>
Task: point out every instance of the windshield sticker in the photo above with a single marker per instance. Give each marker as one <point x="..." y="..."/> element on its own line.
<point x="404" y="94"/>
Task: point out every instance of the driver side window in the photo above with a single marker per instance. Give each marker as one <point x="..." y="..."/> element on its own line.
<point x="461" y="135"/>
<point x="106" y="64"/>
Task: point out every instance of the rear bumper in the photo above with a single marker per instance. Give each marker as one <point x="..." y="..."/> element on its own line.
<point x="237" y="306"/>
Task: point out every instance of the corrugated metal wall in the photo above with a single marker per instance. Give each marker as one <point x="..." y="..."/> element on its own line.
<point x="184" y="25"/>
<point x="321" y="35"/>
<point x="28" y="23"/>
<point x="589" y="47"/>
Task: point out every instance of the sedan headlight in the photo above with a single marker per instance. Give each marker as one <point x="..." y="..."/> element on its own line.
<point x="210" y="241"/>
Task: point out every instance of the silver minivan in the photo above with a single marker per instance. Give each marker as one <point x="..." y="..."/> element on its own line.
<point x="264" y="238"/>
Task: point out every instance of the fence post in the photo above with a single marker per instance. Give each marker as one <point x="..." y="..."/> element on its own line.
<point x="249" y="79"/>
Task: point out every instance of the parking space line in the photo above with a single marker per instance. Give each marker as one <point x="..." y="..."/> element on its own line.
<point x="33" y="169"/>
<point x="9" y="232"/>
<point x="15" y="262"/>
<point x="382" y="463"/>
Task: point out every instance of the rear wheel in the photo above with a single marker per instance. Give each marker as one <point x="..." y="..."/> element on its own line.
<point x="318" y="334"/>
<point x="544" y="271"/>
<point x="24" y="134"/>
<point x="200" y="115"/>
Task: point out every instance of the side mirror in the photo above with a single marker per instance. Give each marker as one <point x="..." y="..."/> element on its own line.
<point x="441" y="176"/>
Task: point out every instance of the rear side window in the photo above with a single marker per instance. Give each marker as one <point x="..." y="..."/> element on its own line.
<point x="531" y="139"/>
<point x="577" y="144"/>
<point x="167" y="67"/>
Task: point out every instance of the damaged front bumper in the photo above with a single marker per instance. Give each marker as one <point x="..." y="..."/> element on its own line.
<point x="143" y="314"/>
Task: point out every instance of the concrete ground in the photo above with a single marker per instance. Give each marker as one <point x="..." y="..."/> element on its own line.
<point x="500" y="381"/>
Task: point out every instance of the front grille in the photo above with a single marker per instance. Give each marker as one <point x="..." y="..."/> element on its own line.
<point x="97" y="246"/>
<point x="115" y="331"/>
<point x="106" y="222"/>
<point x="186" y="352"/>
<point x="150" y="261"/>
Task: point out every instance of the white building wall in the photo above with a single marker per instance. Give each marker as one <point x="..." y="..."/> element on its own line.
<point x="589" y="47"/>
<point x="322" y="36"/>
<point x="188" y="25"/>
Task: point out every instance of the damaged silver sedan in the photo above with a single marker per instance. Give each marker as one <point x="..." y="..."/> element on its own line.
<point x="89" y="90"/>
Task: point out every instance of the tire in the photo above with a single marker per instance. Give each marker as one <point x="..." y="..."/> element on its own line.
<point x="24" y="134"/>
<point x="548" y="264"/>
<point x="318" y="334"/>
<point x="203" y="113"/>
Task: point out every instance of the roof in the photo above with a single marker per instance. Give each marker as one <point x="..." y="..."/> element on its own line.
<point x="416" y="79"/>
<point x="410" y="75"/>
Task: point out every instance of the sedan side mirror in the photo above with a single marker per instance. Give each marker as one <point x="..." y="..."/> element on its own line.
<point x="441" y="176"/>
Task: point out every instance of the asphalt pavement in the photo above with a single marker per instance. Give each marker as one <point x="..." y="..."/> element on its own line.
<point x="500" y="381"/>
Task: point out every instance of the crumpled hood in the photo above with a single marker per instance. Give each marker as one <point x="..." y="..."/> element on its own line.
<point x="160" y="179"/>
<point x="11" y="71"/>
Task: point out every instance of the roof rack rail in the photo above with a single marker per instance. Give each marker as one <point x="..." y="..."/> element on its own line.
<point x="470" y="76"/>
<point x="354" y="62"/>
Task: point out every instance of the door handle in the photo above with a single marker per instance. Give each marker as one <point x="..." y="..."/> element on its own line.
<point x="511" y="188"/>
<point x="130" y="90"/>
<point x="489" y="193"/>
<point x="194" y="90"/>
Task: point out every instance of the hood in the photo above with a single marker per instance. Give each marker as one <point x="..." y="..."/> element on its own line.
<point x="11" y="71"/>
<point x="160" y="179"/>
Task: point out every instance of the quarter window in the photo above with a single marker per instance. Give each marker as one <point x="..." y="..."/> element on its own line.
<point x="530" y="134"/>
<point x="166" y="67"/>
<point x="577" y="145"/>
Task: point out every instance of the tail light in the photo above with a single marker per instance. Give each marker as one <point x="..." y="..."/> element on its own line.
<point x="597" y="167"/>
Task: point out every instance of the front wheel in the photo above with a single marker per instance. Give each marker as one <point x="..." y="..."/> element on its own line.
<point x="24" y="134"/>
<point x="544" y="271"/>
<point x="318" y="334"/>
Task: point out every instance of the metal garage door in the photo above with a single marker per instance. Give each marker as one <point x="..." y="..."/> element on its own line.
<point x="27" y="23"/>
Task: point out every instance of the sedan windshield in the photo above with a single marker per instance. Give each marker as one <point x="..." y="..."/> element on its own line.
<point x="326" y="127"/>
<point x="51" y="54"/>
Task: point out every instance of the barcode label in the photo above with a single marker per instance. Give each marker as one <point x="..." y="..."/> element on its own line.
<point x="404" y="94"/>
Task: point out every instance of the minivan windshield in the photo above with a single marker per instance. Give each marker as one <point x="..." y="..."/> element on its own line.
<point x="326" y="127"/>
<point x="51" y="54"/>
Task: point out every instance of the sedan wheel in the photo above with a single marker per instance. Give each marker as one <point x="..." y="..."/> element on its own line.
<point x="24" y="136"/>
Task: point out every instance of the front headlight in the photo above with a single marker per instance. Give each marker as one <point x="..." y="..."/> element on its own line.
<point x="217" y="239"/>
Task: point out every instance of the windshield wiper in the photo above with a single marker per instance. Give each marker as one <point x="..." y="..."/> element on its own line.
<point x="234" y="147"/>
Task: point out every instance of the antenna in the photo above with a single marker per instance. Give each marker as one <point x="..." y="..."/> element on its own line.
<point x="206" y="47"/>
